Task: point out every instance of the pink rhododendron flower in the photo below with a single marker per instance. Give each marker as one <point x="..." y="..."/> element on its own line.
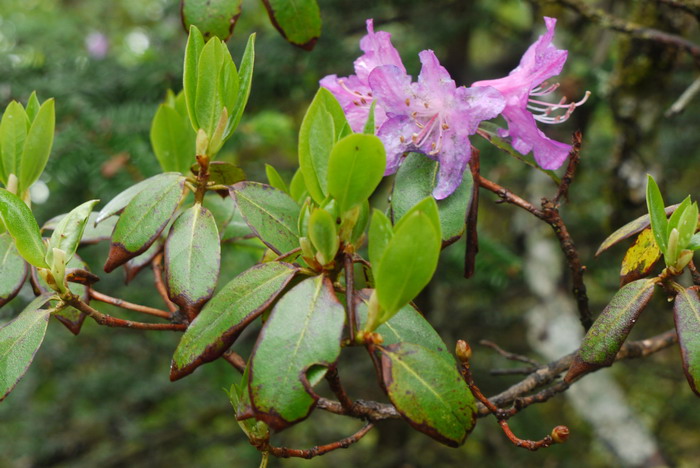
<point x="431" y="116"/>
<point x="353" y="92"/>
<point x="522" y="89"/>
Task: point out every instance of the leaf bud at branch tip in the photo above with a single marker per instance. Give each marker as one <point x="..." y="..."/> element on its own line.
<point x="560" y="434"/>
<point x="463" y="351"/>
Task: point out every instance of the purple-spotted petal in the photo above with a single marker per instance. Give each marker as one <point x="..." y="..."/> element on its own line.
<point x="549" y="154"/>
<point x="391" y="86"/>
<point x="453" y="159"/>
<point x="476" y="104"/>
<point x="396" y="136"/>
<point x="432" y="74"/>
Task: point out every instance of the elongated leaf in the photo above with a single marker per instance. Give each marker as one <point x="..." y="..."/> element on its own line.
<point x="13" y="269"/>
<point x="324" y="235"/>
<point x="655" y="205"/>
<point x="416" y="180"/>
<point x="118" y="203"/>
<point x="172" y="139"/>
<point x="143" y="219"/>
<point x="608" y="333"/>
<point x="37" y="146"/>
<point x="380" y="233"/>
<point x="298" y="342"/>
<point x="686" y="314"/>
<point x="428" y="392"/>
<point x="676" y="216"/>
<point x="297" y="187"/>
<point x="245" y="79"/>
<point x="13" y="133"/>
<point x="355" y="168"/>
<point x="92" y="234"/>
<point x="317" y="135"/>
<point x="270" y="213"/>
<point x="192" y="259"/>
<point x="237" y="228"/>
<point x="299" y="21"/>
<point x="640" y="258"/>
<point x="228" y="313"/>
<point x="23" y="228"/>
<point x="630" y="229"/>
<point x="33" y="106"/>
<point x="69" y="231"/>
<point x="221" y="208"/>
<point x="212" y="17"/>
<point x="275" y="179"/>
<point x="195" y="44"/>
<point x="19" y="341"/>
<point x="687" y="224"/>
<point x="209" y="100"/>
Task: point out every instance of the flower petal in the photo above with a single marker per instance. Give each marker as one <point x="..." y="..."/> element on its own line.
<point x="476" y="104"/>
<point x="378" y="51"/>
<point x="432" y="74"/>
<point x="453" y="158"/>
<point x="396" y="136"/>
<point x="522" y="127"/>
<point x="391" y="86"/>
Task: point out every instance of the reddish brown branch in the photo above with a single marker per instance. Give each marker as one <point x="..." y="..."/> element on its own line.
<point x="694" y="273"/>
<point x="509" y="197"/>
<point x="350" y="295"/>
<point x="338" y="389"/>
<point x="98" y="296"/>
<point x="284" y="452"/>
<point x="574" y="159"/>
<point x="508" y="355"/>
<point x="157" y="265"/>
<point x="235" y="360"/>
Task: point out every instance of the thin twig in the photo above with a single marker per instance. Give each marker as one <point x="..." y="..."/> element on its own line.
<point x="515" y="371"/>
<point x="684" y="99"/>
<point x="508" y="355"/>
<point x="350" y="295"/>
<point x="574" y="159"/>
<point x="115" y="301"/>
<point x="109" y="321"/>
<point x="471" y="218"/>
<point x="157" y="265"/>
<point x="509" y="197"/>
<point x="338" y="389"/>
<point x="235" y="360"/>
<point x="284" y="452"/>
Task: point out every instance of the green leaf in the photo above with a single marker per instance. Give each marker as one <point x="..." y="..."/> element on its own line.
<point x="19" y="341"/>
<point x="92" y="234"/>
<point x="212" y="17"/>
<point x="195" y="44"/>
<point x="428" y="392"/>
<point x="13" y="269"/>
<point x="361" y="224"/>
<point x="676" y="216"/>
<point x="355" y="168"/>
<point x="275" y="179"/>
<point x="228" y="313"/>
<point x="694" y="243"/>
<point x="655" y="205"/>
<point x="299" y="21"/>
<point x="687" y="224"/>
<point x="629" y="230"/>
<point x="144" y="218"/>
<point x="192" y="259"/>
<point x="299" y="341"/>
<point x="23" y="228"/>
<point x="237" y="228"/>
<point x="323" y="233"/>
<point x="118" y="203"/>
<point x="209" y="99"/>
<point x="69" y="231"/>
<point x="245" y="77"/>
<point x="686" y="314"/>
<point x="369" y="124"/>
<point x="380" y="233"/>
<point x="37" y="146"/>
<point x="13" y="133"/>
<point x="270" y="213"/>
<point x="221" y="208"/>
<point x="416" y="179"/>
<point x="317" y="135"/>
<point x="608" y="333"/>
<point x="297" y="188"/>
<point x="134" y="266"/>
<point x="225" y="173"/>
<point x="33" y="106"/>
<point x="172" y="139"/>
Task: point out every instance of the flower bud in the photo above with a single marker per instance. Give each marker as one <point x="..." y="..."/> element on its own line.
<point x="463" y="351"/>
<point x="560" y="434"/>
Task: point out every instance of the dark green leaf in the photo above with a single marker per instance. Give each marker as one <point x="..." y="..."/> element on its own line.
<point x="629" y="229"/>
<point x="221" y="208"/>
<point x="610" y="330"/>
<point x="37" y="146"/>
<point x="270" y="213"/>
<point x="227" y="314"/>
<point x="212" y="17"/>
<point x="299" y="21"/>
<point x="192" y="259"/>
<point x="236" y="228"/>
<point x="355" y="168"/>
<point x="428" y="392"/>
<point x="195" y="44"/>
<point x="172" y="139"/>
<point x="23" y="228"/>
<point x="19" y="341"/>
<point x="13" y="269"/>
<point x="134" y="266"/>
<point x="144" y="218"/>
<point x="416" y="180"/>
<point x="275" y="179"/>
<point x="655" y="205"/>
<point x="299" y="340"/>
<point x="686" y="313"/>
<point x="225" y="173"/>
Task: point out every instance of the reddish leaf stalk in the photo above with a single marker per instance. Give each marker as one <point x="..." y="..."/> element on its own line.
<point x="338" y="389"/>
<point x="115" y="301"/>
<point x="157" y="265"/>
<point x="284" y="452"/>
<point x="109" y="321"/>
<point x="235" y="360"/>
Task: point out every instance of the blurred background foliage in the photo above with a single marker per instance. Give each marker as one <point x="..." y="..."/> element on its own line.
<point x="103" y="398"/>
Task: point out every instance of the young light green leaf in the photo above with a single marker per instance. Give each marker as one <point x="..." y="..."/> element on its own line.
<point x="210" y="95"/>
<point x="33" y="106"/>
<point x="323" y="233"/>
<point x="608" y="333"/>
<point x="172" y="139"/>
<point x="655" y="205"/>
<point x="270" y="213"/>
<point x="297" y="188"/>
<point x="245" y="79"/>
<point x="694" y="242"/>
<point x="227" y="314"/>
<point x="355" y="168"/>
<point x="369" y="124"/>
<point x="275" y="179"/>
<point x="629" y="230"/>
<point x="37" y="146"/>
<point x="687" y="225"/>
<point x="192" y="259"/>
<point x="19" y="341"/>
<point x="195" y="44"/>
<point x="69" y="231"/>
<point x="298" y="21"/>
<point x="13" y="269"/>
<point x="23" y="228"/>
<point x="380" y="233"/>
<point x="676" y="215"/>
<point x="686" y="314"/>
<point x="299" y="341"/>
<point x="428" y="392"/>
<point x="143" y="219"/>
<point x="13" y="133"/>
<point x="212" y="17"/>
